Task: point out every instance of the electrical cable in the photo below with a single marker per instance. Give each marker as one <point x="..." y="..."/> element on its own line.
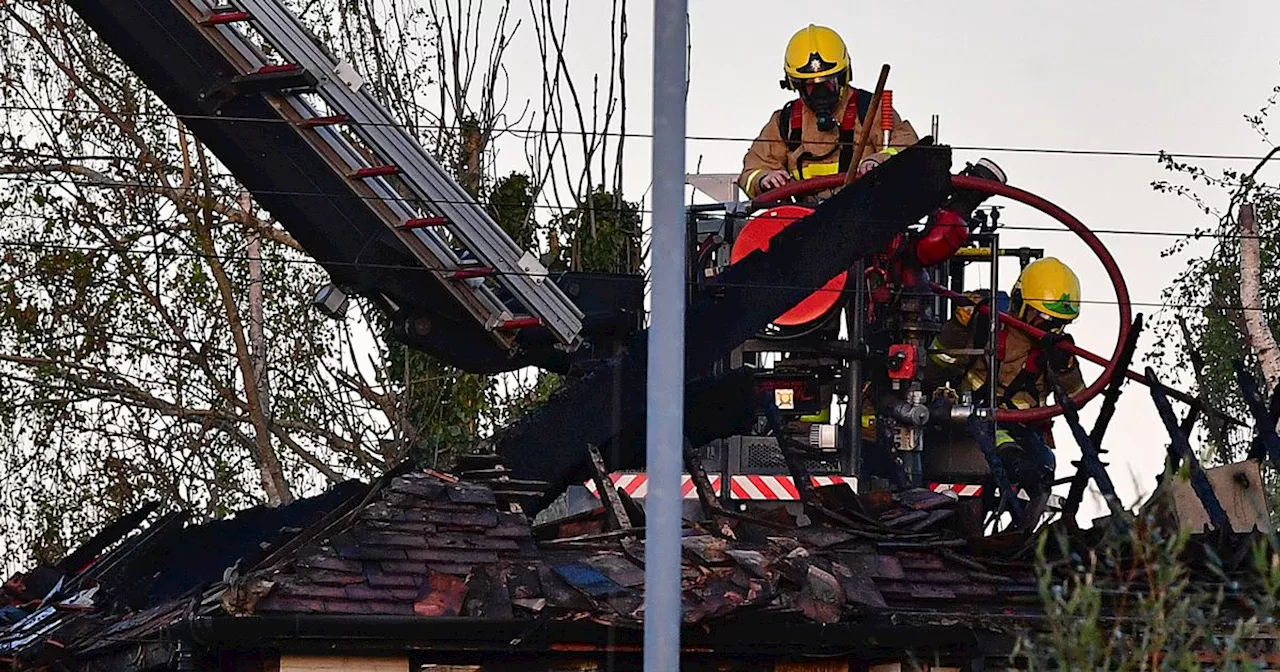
<point x="157" y="252"/>
<point x="44" y="179"/>
<point x="517" y="130"/>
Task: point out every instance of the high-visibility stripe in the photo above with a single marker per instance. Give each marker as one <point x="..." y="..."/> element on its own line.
<point x="748" y="486"/>
<point x="816" y="170"/>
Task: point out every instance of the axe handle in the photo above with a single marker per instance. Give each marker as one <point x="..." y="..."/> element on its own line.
<point x="859" y="148"/>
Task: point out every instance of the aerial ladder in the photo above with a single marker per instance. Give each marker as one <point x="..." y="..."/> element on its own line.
<point x="385" y="214"/>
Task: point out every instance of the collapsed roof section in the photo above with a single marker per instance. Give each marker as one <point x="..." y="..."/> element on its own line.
<point x="424" y="560"/>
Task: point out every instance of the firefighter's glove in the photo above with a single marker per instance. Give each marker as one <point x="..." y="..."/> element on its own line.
<point x="1057" y="358"/>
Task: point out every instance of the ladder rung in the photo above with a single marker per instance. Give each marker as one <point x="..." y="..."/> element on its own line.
<point x="224" y="17"/>
<point x="273" y="69"/>
<point x="375" y="171"/>
<point x="324" y="121"/>
<point x="424" y="222"/>
<point x="472" y="272"/>
<point x="521" y="322"/>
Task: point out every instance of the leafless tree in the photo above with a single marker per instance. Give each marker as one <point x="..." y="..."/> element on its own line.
<point x="145" y="307"/>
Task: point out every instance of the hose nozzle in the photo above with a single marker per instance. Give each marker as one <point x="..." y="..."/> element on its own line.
<point x="965" y="201"/>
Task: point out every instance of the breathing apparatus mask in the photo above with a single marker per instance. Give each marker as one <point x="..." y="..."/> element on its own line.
<point x="822" y="96"/>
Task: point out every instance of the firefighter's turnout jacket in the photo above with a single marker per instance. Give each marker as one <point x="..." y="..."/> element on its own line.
<point x="791" y="141"/>
<point x="1022" y="382"/>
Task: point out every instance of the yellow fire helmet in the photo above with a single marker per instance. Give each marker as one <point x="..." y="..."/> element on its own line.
<point x="815" y="53"/>
<point x="1049" y="286"/>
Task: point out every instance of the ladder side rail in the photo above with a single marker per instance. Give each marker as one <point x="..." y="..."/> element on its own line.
<point x="479" y="301"/>
<point x="383" y="133"/>
<point x="476" y="229"/>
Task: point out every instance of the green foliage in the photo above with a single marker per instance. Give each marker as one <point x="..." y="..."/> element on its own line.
<point x="512" y="203"/>
<point x="1204" y="298"/>
<point x="1134" y="602"/>
<point x="601" y="235"/>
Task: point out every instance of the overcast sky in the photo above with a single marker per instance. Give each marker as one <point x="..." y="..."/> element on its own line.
<point x="1140" y="76"/>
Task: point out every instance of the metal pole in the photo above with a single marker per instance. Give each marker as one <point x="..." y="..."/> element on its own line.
<point x="856" y="318"/>
<point x="993" y="357"/>
<point x="664" y="419"/>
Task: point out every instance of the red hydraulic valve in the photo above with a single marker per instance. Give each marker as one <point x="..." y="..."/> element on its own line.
<point x="945" y="234"/>
<point x="902" y="361"/>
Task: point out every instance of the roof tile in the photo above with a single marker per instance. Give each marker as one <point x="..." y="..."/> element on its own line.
<point x="414" y="549"/>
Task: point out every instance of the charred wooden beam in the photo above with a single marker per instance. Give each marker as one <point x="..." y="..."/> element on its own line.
<point x="1180" y="450"/>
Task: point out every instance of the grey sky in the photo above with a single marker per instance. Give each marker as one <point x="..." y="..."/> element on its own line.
<point x="1146" y="76"/>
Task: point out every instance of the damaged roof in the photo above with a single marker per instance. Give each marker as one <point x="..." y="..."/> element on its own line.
<point x="428" y="546"/>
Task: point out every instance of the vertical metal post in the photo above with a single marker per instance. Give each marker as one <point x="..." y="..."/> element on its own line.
<point x="993" y="357"/>
<point x="855" y="323"/>
<point x="665" y="399"/>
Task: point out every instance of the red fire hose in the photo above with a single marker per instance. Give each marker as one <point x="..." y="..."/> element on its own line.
<point x="998" y="189"/>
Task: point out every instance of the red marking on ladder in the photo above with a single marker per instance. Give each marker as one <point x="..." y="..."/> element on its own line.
<point x="424" y="222"/>
<point x="272" y="69"/>
<point x="520" y="322"/>
<point x="220" y="18"/>
<point x="473" y="272"/>
<point x="376" y="171"/>
<point x="324" y="121"/>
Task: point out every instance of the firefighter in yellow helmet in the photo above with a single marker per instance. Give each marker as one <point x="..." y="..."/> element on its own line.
<point x="1046" y="295"/>
<point x="814" y="135"/>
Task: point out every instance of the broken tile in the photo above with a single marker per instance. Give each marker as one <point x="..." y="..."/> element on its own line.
<point x="887" y="567"/>
<point x="434" y="555"/>
<point x="535" y="605"/>
<point x="821" y="597"/>
<point x="379" y="579"/>
<point x="823" y="537"/>
<point x="358" y="552"/>
<point x="461" y="493"/>
<point x="859" y="587"/>
<point x="328" y="562"/>
<point x="388" y="594"/>
<point x="619" y="569"/>
<point x="442" y="596"/>
<point x="397" y="539"/>
<point x="559" y="593"/>
<point x="588" y="580"/>
<point x="474" y="517"/>
<point x="912" y="561"/>
<point x="751" y="561"/>
<point x="708" y="549"/>
<point x="922" y="499"/>
<point x="418" y="488"/>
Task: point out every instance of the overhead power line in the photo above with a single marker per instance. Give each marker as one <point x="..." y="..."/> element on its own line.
<point x="160" y="252"/>
<point x="50" y="179"/>
<point x="533" y="130"/>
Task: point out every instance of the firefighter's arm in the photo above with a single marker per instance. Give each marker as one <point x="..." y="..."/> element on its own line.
<point x="768" y="152"/>
<point x="1064" y="364"/>
<point x="956" y="334"/>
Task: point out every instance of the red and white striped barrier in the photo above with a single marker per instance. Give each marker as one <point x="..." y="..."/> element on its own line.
<point x="969" y="490"/>
<point x="776" y="488"/>
<point x="961" y="489"/>
<point x="749" y="487"/>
